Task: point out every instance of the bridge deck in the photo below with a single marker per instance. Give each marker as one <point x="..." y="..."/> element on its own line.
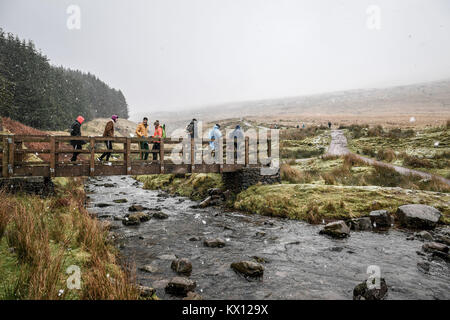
<point x="49" y="156"/>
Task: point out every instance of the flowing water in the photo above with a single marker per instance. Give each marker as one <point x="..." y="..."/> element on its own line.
<point x="300" y="263"/>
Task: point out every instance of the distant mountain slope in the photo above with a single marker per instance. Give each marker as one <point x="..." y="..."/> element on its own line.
<point x="431" y="98"/>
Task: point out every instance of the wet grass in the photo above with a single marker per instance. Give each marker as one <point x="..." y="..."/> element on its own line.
<point x="41" y="238"/>
<point x="194" y="186"/>
<point x="314" y="203"/>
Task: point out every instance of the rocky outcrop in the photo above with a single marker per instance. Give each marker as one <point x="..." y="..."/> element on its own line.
<point x="418" y="216"/>
<point x="337" y="229"/>
<point x="362" y="292"/>
<point x="214" y="243"/>
<point x="380" y="219"/>
<point x="180" y="286"/>
<point x="182" y="266"/>
<point x="248" y="268"/>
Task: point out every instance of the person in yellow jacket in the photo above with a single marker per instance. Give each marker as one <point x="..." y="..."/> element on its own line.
<point x="142" y="132"/>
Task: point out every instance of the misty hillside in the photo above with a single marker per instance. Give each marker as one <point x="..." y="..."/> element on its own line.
<point x="431" y="98"/>
<point x="42" y="96"/>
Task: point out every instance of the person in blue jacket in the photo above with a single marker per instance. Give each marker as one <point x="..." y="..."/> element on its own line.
<point x="215" y="135"/>
<point x="238" y="137"/>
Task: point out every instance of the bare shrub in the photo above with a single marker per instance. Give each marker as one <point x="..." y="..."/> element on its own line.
<point x="386" y="154"/>
<point x="293" y="175"/>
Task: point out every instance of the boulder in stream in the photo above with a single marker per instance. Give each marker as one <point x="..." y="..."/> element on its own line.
<point x="362" y="292"/>
<point x="136" y="208"/>
<point x="146" y="292"/>
<point x="418" y="216"/>
<point x="149" y="268"/>
<point x="135" y="218"/>
<point x="434" y="246"/>
<point x="214" y="243"/>
<point x="120" y="200"/>
<point x="193" y="296"/>
<point x="205" y="202"/>
<point x="180" y="286"/>
<point x="381" y="218"/>
<point x="423" y="235"/>
<point x="360" y="224"/>
<point x="160" y="215"/>
<point x="182" y="266"/>
<point x="103" y="205"/>
<point x="248" y="268"/>
<point x="337" y="229"/>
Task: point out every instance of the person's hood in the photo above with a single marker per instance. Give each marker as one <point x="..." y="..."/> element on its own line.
<point x="216" y="127"/>
<point x="115" y="117"/>
<point x="238" y="127"/>
<point x="80" y="119"/>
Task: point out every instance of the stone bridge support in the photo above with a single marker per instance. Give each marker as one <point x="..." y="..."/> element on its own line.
<point x="240" y="180"/>
<point x="42" y="186"/>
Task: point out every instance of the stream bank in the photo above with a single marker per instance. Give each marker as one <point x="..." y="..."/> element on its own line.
<point x="299" y="262"/>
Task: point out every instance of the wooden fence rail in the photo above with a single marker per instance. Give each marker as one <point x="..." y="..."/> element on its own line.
<point x="49" y="156"/>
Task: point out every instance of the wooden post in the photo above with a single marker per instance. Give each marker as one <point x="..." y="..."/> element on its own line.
<point x="5" y="157"/>
<point x="246" y="151"/>
<point x="12" y="147"/>
<point x="92" y="161"/>
<point x="161" y="156"/>
<point x="269" y="148"/>
<point x="52" y="156"/>
<point x="192" y="155"/>
<point x="128" y="156"/>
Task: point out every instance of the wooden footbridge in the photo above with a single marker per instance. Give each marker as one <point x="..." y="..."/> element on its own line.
<point x="49" y="156"/>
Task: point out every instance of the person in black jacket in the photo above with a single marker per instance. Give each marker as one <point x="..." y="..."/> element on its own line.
<point x="76" y="132"/>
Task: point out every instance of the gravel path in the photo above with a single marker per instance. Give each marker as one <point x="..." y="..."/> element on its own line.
<point x="339" y="147"/>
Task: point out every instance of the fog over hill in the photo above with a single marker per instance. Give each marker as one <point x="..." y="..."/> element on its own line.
<point x="432" y="98"/>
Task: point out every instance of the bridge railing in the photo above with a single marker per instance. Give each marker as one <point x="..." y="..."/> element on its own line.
<point x="49" y="156"/>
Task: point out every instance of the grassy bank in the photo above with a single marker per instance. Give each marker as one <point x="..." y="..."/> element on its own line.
<point x="41" y="238"/>
<point x="194" y="186"/>
<point x="313" y="203"/>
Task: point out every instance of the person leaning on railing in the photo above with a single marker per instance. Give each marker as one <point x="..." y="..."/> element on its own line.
<point x="157" y="144"/>
<point x="142" y="132"/>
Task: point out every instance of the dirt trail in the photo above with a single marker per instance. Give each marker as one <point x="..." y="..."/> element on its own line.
<point x="338" y="147"/>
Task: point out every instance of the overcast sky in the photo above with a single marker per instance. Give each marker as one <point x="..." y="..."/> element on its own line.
<point x="177" y="54"/>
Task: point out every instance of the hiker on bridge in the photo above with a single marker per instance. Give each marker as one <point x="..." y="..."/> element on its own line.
<point x="192" y="129"/>
<point x="329" y="124"/>
<point x="238" y="136"/>
<point x="214" y="136"/>
<point x="109" y="132"/>
<point x="142" y="132"/>
<point x="76" y="132"/>
<point x="157" y="134"/>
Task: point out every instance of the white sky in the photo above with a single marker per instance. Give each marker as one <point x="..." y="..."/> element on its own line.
<point x="176" y="54"/>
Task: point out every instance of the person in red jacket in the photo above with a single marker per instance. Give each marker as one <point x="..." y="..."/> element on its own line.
<point x="157" y="134"/>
